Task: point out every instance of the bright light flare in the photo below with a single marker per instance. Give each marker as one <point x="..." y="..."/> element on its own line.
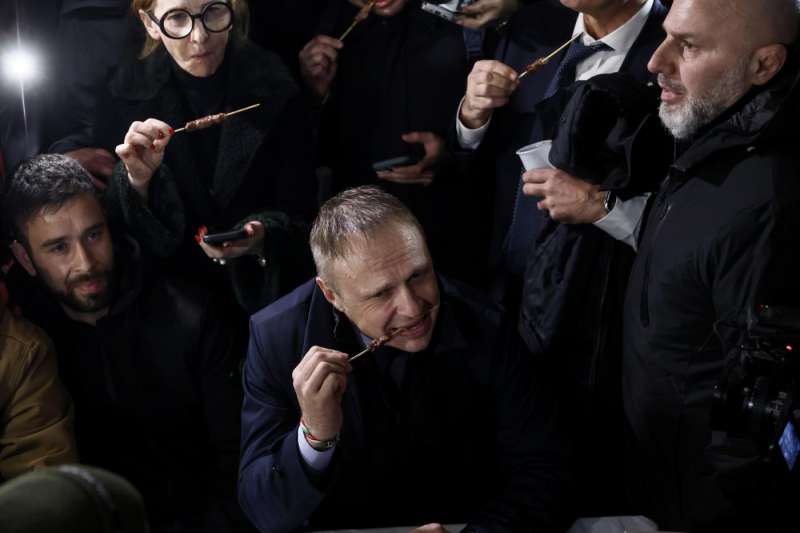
<point x="21" y="65"/>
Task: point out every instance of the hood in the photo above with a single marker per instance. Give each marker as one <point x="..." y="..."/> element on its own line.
<point x="764" y="116"/>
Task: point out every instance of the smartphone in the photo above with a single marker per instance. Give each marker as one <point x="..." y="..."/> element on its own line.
<point x="216" y="239"/>
<point x="446" y="10"/>
<point x="388" y="164"/>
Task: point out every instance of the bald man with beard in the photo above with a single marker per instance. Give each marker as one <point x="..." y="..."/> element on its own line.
<point x="718" y="240"/>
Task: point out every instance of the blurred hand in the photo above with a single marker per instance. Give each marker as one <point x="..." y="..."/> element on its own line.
<point x="253" y="244"/>
<point x="318" y="63"/>
<point x="319" y="382"/>
<point x="142" y="151"/>
<point x="421" y="173"/>
<point x="482" y="12"/>
<point x="489" y="86"/>
<point x="566" y="198"/>
<point x="97" y="161"/>
<point x="430" y="528"/>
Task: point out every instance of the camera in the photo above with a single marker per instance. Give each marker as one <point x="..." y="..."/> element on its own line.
<point x="448" y="10"/>
<point x="758" y="396"/>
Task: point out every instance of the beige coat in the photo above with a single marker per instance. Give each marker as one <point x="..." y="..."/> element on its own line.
<point x="36" y="414"/>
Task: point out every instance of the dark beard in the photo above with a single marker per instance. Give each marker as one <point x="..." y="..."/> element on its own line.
<point x="69" y="298"/>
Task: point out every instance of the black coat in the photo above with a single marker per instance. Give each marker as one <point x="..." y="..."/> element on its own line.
<point x="157" y="393"/>
<point x="728" y="212"/>
<point x="469" y="437"/>
<point x="261" y="170"/>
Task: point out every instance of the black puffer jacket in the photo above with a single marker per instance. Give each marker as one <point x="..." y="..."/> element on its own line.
<point x="728" y="211"/>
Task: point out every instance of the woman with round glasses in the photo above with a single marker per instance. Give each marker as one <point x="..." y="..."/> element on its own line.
<point x="253" y="172"/>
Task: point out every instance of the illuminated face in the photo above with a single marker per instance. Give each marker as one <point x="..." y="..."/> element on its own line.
<point x="387" y="282"/>
<point x="702" y="66"/>
<point x="70" y="251"/>
<point x="383" y="8"/>
<point x="201" y="52"/>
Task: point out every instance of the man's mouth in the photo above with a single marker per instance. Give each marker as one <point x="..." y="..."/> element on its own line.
<point x="670" y="91"/>
<point x="414" y="330"/>
<point x="91" y="285"/>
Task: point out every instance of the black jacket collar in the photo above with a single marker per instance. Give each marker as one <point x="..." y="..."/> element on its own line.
<point x="759" y="118"/>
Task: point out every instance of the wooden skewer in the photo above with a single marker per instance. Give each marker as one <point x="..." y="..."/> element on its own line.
<point x="542" y="61"/>
<point x="360" y="16"/>
<point x="211" y="120"/>
<point x="377" y="343"/>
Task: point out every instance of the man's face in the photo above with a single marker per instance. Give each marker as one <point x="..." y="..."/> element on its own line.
<point x="388" y="282"/>
<point x="383" y="8"/>
<point x="70" y="250"/>
<point x="201" y="53"/>
<point x="702" y="65"/>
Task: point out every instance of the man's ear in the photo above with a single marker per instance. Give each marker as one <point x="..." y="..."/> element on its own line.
<point x="767" y="61"/>
<point x="22" y="257"/>
<point x="329" y="294"/>
<point x="151" y="27"/>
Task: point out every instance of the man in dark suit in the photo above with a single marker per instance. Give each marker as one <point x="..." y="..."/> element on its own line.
<point x="497" y="117"/>
<point x="577" y="337"/>
<point x="441" y="423"/>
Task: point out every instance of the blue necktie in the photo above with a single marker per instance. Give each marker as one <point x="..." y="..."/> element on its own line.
<point x="565" y="74"/>
<point x="526" y="220"/>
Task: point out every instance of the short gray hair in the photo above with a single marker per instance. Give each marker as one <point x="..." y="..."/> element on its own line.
<point x="351" y="216"/>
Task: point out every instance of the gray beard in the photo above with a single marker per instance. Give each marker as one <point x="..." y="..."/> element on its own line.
<point x="685" y="119"/>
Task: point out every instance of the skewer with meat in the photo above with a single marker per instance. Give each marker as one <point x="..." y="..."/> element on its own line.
<point x="212" y="120"/>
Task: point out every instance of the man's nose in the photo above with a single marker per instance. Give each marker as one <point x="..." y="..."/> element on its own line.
<point x="659" y="60"/>
<point x="84" y="260"/>
<point x="407" y="303"/>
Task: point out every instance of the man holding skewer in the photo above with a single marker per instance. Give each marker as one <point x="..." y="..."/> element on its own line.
<point x="442" y="423"/>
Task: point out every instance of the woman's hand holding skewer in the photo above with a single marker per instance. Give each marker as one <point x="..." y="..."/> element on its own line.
<point x="489" y="86"/>
<point x="142" y="152"/>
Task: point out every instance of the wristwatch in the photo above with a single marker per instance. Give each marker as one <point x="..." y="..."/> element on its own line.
<point x="610" y="201"/>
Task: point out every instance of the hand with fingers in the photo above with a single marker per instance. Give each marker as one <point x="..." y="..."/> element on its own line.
<point x="142" y="151"/>
<point x="423" y="172"/>
<point x="566" y="198"/>
<point x="318" y="63"/>
<point x="489" y="86"/>
<point x="480" y="13"/>
<point x="253" y="244"/>
<point x="319" y="382"/>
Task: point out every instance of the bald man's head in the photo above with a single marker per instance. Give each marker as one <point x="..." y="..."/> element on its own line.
<point x="715" y="52"/>
<point x="766" y="22"/>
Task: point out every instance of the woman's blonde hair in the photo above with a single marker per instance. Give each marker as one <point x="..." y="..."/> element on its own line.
<point x="241" y="22"/>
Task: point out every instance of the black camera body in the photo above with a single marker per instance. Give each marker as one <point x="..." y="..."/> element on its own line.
<point x="759" y="394"/>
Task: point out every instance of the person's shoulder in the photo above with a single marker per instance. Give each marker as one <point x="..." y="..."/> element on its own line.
<point x="293" y="306"/>
<point x="21" y="342"/>
<point x="140" y="78"/>
<point x="255" y="66"/>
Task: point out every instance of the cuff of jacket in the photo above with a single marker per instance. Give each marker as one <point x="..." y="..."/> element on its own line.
<point x="157" y="224"/>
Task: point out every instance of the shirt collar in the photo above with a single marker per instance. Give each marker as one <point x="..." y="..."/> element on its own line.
<point x="620" y="40"/>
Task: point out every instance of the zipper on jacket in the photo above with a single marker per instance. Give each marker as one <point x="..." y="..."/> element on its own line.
<point x="664" y="208"/>
<point x="602" y="330"/>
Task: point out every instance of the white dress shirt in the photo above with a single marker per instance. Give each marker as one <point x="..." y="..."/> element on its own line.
<point x="624" y="220"/>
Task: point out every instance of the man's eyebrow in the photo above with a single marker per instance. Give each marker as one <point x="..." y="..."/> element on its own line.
<point x="380" y="289"/>
<point x="51" y="242"/>
<point x="97" y="226"/>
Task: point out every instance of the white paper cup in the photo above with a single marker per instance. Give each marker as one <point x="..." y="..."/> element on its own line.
<point x="537" y="155"/>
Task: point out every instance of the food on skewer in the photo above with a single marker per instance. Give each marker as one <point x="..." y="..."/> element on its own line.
<point x="212" y="120"/>
<point x="542" y="61"/>
<point x="361" y="16"/>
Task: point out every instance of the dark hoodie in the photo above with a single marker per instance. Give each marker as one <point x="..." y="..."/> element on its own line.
<point x="156" y="393"/>
<point x="718" y="236"/>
